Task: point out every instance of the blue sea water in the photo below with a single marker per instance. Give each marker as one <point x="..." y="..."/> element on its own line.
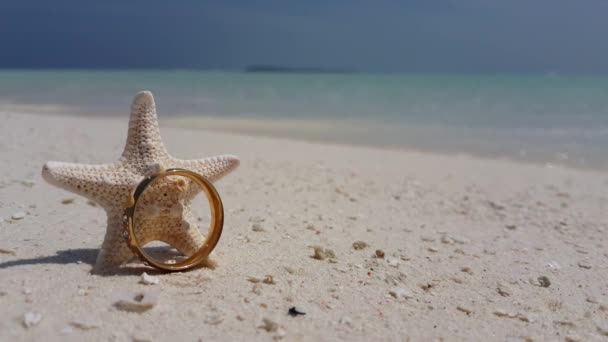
<point x="545" y="118"/>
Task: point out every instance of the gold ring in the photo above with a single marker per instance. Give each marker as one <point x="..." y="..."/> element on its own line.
<point x="215" y="229"/>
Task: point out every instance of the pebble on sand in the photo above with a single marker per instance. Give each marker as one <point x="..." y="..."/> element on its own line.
<point x="31" y="319"/>
<point x="360" y="245"/>
<point x="467" y="270"/>
<point x="323" y="253"/>
<point x="257" y="227"/>
<point x="295" y="311"/>
<point x="7" y="251"/>
<point x="584" y="264"/>
<point x="290" y="269"/>
<point x="393" y="262"/>
<point x="400" y="293"/>
<point x="18" y="215"/>
<point x="268" y="280"/>
<point x="506" y="314"/>
<point x="140" y="339"/>
<point x="544" y="281"/>
<point x="138" y="302"/>
<point x="464" y="309"/>
<point x="554" y="265"/>
<point x="257" y="289"/>
<point x="269" y="325"/>
<point x="346" y="320"/>
<point x="503" y="290"/>
<point x="68" y="201"/>
<point x="446" y="239"/>
<point x="147" y="279"/>
<point x="379" y="253"/>
<point x="28" y="183"/>
<point x="85" y="325"/>
<point x="503" y="313"/>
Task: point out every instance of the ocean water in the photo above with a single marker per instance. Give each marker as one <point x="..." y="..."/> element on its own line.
<point x="547" y="119"/>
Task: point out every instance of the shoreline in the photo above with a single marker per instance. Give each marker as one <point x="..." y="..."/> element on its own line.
<point x="346" y="133"/>
<point x="344" y="136"/>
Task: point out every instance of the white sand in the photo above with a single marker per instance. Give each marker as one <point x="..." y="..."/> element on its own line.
<point x="458" y="227"/>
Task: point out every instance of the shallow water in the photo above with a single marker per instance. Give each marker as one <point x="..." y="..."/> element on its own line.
<point x="548" y="119"/>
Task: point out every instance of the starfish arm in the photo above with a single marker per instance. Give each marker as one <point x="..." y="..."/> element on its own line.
<point x="106" y="184"/>
<point x="212" y="168"/>
<point x="114" y="250"/>
<point x="144" y="141"/>
<point x="187" y="239"/>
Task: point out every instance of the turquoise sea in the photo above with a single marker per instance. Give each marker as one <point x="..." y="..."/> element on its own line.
<point x="546" y="118"/>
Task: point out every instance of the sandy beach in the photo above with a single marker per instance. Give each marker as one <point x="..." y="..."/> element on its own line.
<point x="458" y="248"/>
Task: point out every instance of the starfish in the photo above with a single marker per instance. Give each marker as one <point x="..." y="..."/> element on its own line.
<point x="165" y="205"/>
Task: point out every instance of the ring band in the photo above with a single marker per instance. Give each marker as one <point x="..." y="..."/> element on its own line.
<point x="215" y="229"/>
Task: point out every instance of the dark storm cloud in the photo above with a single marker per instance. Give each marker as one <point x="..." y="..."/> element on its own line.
<point x="382" y="35"/>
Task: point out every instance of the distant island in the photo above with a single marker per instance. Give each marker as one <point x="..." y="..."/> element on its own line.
<point x="299" y="70"/>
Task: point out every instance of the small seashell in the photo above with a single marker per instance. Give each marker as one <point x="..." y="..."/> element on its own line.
<point x="31" y="319"/>
<point x="18" y="215"/>
<point x="147" y="279"/>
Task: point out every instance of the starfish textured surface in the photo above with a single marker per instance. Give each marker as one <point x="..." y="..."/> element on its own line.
<point x="166" y="205"/>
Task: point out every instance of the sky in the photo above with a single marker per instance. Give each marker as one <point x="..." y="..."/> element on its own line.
<point x="441" y="36"/>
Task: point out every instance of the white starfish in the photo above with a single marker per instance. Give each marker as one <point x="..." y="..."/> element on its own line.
<point x="166" y="205"/>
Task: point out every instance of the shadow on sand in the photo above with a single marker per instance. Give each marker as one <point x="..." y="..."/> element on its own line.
<point x="89" y="256"/>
